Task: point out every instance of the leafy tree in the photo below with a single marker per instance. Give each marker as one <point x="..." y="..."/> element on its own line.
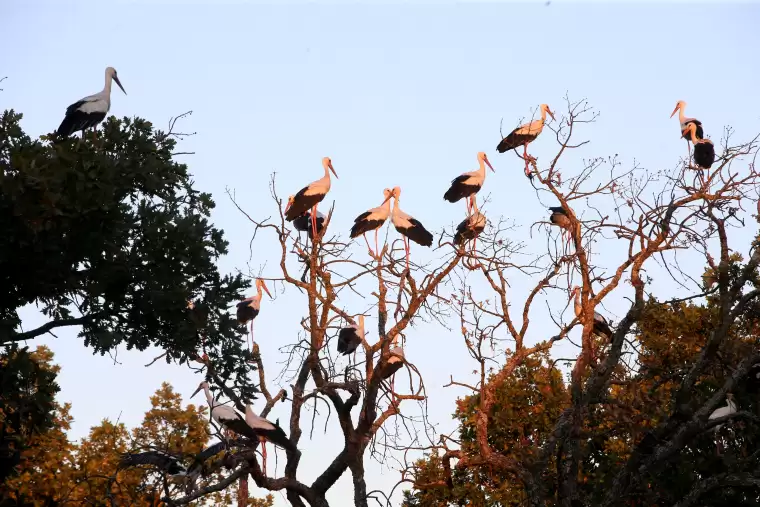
<point x="54" y="470"/>
<point x="109" y="235"/>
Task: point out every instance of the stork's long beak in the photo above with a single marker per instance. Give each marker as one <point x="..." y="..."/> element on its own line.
<point x="287" y="206"/>
<point x="387" y="198"/>
<point x="264" y="286"/>
<point x="333" y="170"/>
<point x="678" y="106"/>
<point x="485" y="159"/>
<point x="115" y="78"/>
<point x="550" y="114"/>
<point x="197" y="390"/>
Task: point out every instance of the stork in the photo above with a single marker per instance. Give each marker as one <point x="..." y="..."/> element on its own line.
<point x="248" y="309"/>
<point x="268" y="431"/>
<point x="560" y="218"/>
<point x="311" y="195"/>
<point x="704" y="151"/>
<point x="303" y="222"/>
<point x="350" y="337"/>
<point x="373" y="220"/>
<point x="394" y="362"/>
<point x="408" y="226"/>
<point x="523" y="135"/>
<point x="471" y="227"/>
<point x="469" y="184"/>
<point x="226" y="416"/>
<point x="601" y="325"/>
<point x="171" y="464"/>
<point x="89" y="111"/>
<point x="685" y="122"/>
<point x="729" y="409"/>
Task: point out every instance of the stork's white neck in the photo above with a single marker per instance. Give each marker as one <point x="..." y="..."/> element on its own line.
<point x="681" y="116"/>
<point x="107" y="87"/>
<point x="578" y="306"/>
<point x="209" y="398"/>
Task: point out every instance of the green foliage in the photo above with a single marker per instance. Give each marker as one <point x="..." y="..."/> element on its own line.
<point x="108" y="234"/>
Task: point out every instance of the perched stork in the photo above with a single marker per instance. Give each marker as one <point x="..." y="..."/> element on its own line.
<point x="171" y="465"/>
<point x="704" y="151"/>
<point x="685" y="122"/>
<point x="89" y="111"/>
<point x="311" y="195"/>
<point x="395" y="361"/>
<point x="373" y="220"/>
<point x="471" y="227"/>
<point x="303" y="222"/>
<point x="248" y="309"/>
<point x="268" y="432"/>
<point x="523" y="135"/>
<point x="226" y="416"/>
<point x="560" y="218"/>
<point x="729" y="409"/>
<point x="197" y="311"/>
<point x="408" y="226"/>
<point x="350" y="337"/>
<point x="468" y="184"/>
<point x="601" y="325"/>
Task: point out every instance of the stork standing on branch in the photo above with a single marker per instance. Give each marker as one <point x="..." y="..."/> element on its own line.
<point x="226" y="416"/>
<point x="523" y="135"/>
<point x="350" y="337"/>
<point x="394" y="362"/>
<point x="561" y="219"/>
<point x="685" y="122"/>
<point x="172" y="465"/>
<point x="471" y="227"/>
<point x="311" y="195"/>
<point x="89" y="111"/>
<point x="303" y="222"/>
<point x="465" y="186"/>
<point x="408" y="226"/>
<point x="373" y="220"/>
<point x="729" y="409"/>
<point x="601" y="325"/>
<point x="248" y="309"/>
<point x="704" y="151"/>
<point x="268" y="431"/>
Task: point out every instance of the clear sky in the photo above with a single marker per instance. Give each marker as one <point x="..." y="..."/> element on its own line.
<point x="399" y="94"/>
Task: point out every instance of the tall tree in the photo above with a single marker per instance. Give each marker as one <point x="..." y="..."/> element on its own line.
<point x="53" y="469"/>
<point x="109" y="235"/>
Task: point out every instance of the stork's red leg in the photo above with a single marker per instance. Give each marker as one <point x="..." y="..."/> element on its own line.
<point x="406" y="246"/>
<point x="468" y="202"/>
<point x="525" y="157"/>
<point x="264" y="456"/>
<point x="368" y="247"/>
<point x="377" y="247"/>
<point x="314" y="221"/>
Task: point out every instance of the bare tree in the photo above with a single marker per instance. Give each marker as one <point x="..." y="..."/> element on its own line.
<point x="621" y="224"/>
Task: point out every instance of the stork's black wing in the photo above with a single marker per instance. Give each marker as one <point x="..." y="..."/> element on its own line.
<point x="158" y="459"/>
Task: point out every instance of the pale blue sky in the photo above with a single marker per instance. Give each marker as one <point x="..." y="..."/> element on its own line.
<point x="396" y="95"/>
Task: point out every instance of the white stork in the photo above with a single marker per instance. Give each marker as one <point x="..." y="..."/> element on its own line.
<point x="685" y="122"/>
<point x="267" y="432"/>
<point x="171" y="465"/>
<point x="394" y="362"/>
<point x="471" y="227"/>
<point x="704" y="151"/>
<point x="248" y="309"/>
<point x="373" y="219"/>
<point x="601" y="325"/>
<point x="89" y="111"/>
<point x="350" y="337"/>
<point x="729" y="409"/>
<point x="468" y="184"/>
<point x="560" y="218"/>
<point x="523" y="135"/>
<point x="408" y="226"/>
<point x="303" y="222"/>
<point x="226" y="416"/>
<point x="311" y="195"/>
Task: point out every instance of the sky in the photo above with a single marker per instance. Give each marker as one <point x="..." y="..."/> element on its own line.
<point x="399" y="94"/>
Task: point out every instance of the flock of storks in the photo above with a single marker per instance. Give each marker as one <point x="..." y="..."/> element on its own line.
<point x="301" y="210"/>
